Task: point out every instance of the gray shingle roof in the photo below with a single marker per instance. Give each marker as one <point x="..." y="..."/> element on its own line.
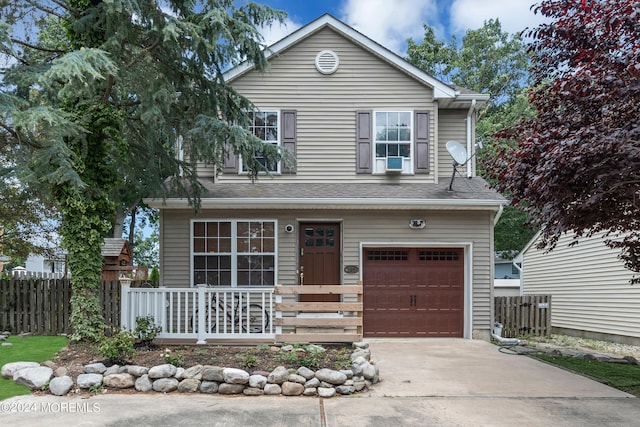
<point x="474" y="191"/>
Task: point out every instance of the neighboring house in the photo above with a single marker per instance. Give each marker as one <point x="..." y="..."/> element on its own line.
<point x="49" y="266"/>
<point x="591" y="294"/>
<point x="507" y="277"/>
<point x="367" y="199"/>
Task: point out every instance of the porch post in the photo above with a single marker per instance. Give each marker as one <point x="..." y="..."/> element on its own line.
<point x="124" y="306"/>
<point x="202" y="306"/>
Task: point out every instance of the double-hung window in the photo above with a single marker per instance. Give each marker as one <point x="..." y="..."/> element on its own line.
<point x="393" y="139"/>
<point x="234" y="253"/>
<point x="265" y="125"/>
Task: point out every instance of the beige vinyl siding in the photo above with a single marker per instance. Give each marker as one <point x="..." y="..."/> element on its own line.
<point x="326" y="105"/>
<point x="589" y="286"/>
<point x="451" y="126"/>
<point x="443" y="227"/>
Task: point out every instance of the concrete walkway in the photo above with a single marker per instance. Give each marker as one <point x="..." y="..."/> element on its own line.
<point x="430" y="382"/>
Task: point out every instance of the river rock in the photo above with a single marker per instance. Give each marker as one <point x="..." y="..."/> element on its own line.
<point x="235" y="376"/>
<point x="213" y="373"/>
<point x="119" y="380"/>
<point x="326" y="391"/>
<point x="252" y="391"/>
<point x="10" y="368"/>
<point x="165" y="385"/>
<point x="193" y="372"/>
<point x="136" y="371"/>
<point x="310" y="391"/>
<point x="61" y="372"/>
<point x="60" y="386"/>
<point x="162" y="371"/>
<point x="257" y="381"/>
<point x="292" y="389"/>
<point x="189" y="385"/>
<point x="295" y="378"/>
<point x="344" y="389"/>
<point x="95" y="368"/>
<point x="312" y="383"/>
<point x="226" y="388"/>
<point x="209" y="387"/>
<point x="306" y="372"/>
<point x="89" y="380"/>
<point x="143" y="383"/>
<point x="278" y="375"/>
<point x="331" y="376"/>
<point x="272" y="389"/>
<point x="115" y="369"/>
<point x="33" y="378"/>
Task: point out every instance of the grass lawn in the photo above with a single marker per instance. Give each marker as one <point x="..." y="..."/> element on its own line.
<point x="27" y="349"/>
<point x="621" y="376"/>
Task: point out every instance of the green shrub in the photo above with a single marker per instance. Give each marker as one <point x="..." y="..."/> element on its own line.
<point x="309" y="356"/>
<point x="154" y="277"/>
<point x="175" y="358"/>
<point x="118" y="347"/>
<point x="146" y="329"/>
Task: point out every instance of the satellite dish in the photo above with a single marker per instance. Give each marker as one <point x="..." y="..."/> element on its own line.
<point x="457" y="152"/>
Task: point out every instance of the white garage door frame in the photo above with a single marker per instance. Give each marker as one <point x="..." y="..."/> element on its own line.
<point x="468" y="270"/>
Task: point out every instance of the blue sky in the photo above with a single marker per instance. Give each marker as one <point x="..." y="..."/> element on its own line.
<point x="392" y="22"/>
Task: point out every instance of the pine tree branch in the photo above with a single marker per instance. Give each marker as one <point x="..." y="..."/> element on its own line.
<point x="32" y="46"/>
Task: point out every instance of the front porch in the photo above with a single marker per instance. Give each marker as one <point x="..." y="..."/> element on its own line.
<point x="206" y="315"/>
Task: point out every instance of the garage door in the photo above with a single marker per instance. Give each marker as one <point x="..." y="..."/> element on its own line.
<point x="413" y="292"/>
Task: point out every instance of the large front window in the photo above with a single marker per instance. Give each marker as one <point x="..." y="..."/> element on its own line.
<point x="234" y="252"/>
<point x="393" y="137"/>
<point x="265" y="126"/>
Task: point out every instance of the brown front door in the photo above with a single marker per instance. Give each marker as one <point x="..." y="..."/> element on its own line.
<point x="320" y="258"/>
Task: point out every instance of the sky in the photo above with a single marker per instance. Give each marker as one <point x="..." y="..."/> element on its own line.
<point x="392" y="22"/>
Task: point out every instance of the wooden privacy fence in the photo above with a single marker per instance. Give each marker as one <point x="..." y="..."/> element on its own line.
<point x="524" y="315"/>
<point x="42" y="306"/>
<point x="318" y="328"/>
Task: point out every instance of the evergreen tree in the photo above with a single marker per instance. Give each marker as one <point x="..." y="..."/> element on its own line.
<point x="96" y="94"/>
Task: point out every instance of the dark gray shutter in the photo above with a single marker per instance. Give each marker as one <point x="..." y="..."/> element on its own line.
<point x="421" y="141"/>
<point x="230" y="165"/>
<point x="289" y="138"/>
<point x="363" y="141"/>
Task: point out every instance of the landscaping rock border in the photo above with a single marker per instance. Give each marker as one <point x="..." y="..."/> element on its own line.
<point x="204" y="378"/>
<point x="580" y="354"/>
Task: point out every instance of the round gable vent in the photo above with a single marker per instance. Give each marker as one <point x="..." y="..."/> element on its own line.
<point x="327" y="62"/>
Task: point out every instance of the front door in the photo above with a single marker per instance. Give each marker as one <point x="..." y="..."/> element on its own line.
<point x="319" y="258"/>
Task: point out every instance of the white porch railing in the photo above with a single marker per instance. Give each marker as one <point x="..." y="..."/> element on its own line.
<point x="203" y="312"/>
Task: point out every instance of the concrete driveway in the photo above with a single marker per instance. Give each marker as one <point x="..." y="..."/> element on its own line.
<point x="426" y="382"/>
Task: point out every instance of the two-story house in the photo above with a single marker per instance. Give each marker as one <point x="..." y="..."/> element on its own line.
<point x="368" y="197"/>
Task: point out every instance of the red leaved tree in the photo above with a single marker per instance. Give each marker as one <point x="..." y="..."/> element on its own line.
<point x="576" y="166"/>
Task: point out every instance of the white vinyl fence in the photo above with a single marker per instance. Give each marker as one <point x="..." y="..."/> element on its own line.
<point x="202" y="312"/>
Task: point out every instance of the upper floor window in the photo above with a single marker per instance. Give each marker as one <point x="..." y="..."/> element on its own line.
<point x="393" y="139"/>
<point x="265" y="125"/>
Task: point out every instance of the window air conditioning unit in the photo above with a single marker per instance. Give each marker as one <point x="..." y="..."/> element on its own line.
<point x="393" y="165"/>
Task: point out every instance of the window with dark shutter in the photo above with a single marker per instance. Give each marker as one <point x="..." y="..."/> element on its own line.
<point x="363" y="141"/>
<point x="421" y="155"/>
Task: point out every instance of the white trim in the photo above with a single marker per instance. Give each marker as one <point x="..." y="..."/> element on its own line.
<point x="440" y="89"/>
<point x="328" y="203"/>
<point x="467" y="248"/>
<point x="234" y="249"/>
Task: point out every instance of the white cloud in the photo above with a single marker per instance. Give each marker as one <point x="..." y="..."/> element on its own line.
<point x="277" y="31"/>
<point x="514" y="15"/>
<point x="389" y="23"/>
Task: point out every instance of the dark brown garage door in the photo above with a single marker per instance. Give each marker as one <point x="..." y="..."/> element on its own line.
<point x="413" y="292"/>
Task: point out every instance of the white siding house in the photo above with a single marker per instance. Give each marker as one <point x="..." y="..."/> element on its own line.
<point x="591" y="294"/>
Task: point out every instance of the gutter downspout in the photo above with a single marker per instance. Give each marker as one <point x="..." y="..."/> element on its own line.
<point x="498" y="215"/>
<point x="469" y="129"/>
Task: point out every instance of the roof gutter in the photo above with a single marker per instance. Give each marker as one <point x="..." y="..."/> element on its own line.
<point x="329" y="203"/>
